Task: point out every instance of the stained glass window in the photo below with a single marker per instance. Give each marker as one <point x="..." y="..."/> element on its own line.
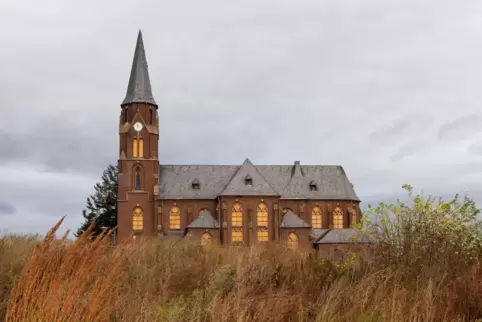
<point x="175" y="218"/>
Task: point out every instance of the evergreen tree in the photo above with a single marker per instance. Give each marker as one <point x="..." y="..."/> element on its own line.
<point x="101" y="207"/>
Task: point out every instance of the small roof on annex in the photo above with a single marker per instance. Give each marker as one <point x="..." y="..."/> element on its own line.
<point x="322" y="182"/>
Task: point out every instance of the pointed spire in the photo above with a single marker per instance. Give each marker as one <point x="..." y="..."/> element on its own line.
<point x="139" y="88"/>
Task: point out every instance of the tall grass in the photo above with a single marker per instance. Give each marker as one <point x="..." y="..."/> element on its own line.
<point x="153" y="280"/>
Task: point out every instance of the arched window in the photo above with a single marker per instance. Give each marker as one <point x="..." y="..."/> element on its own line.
<point x="135" y="148"/>
<point x="316" y="219"/>
<point x="203" y="209"/>
<point x="237" y="223"/>
<point x="292" y="240"/>
<point x="138" y="178"/>
<point x="206" y="239"/>
<point x="353" y="216"/>
<point x="126" y="114"/>
<point x="338" y="218"/>
<point x="141" y="148"/>
<point x="175" y="218"/>
<point x="237" y="215"/>
<point x="137" y="219"/>
<point x="149" y="116"/>
<point x="262" y="221"/>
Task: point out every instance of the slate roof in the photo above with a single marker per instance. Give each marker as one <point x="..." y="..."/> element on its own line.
<point x="318" y="233"/>
<point x="286" y="181"/>
<point x="291" y="220"/>
<point x="237" y="186"/>
<point x="139" y="88"/>
<point x="343" y="236"/>
<point x="204" y="220"/>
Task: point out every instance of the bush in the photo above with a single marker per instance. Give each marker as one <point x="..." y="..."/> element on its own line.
<point x="425" y="239"/>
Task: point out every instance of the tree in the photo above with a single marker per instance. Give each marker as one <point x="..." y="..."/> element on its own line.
<point x="101" y="208"/>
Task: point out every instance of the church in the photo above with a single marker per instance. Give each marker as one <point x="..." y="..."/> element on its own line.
<point x="303" y="206"/>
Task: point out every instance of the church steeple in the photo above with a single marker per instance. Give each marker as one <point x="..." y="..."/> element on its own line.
<point x="139" y="88"/>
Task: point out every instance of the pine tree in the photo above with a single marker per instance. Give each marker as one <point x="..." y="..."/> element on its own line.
<point x="101" y="207"/>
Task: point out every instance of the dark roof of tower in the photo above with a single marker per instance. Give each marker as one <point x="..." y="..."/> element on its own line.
<point x="139" y="88"/>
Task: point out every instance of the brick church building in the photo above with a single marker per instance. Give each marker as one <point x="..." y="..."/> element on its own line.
<point x="300" y="205"/>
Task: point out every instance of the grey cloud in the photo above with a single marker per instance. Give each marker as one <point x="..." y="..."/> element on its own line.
<point x="408" y="149"/>
<point x="7" y="208"/>
<point x="275" y="81"/>
<point x="475" y="149"/>
<point x="460" y="127"/>
<point x="390" y="133"/>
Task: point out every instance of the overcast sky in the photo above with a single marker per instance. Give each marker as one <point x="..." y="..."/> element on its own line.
<point x="390" y="90"/>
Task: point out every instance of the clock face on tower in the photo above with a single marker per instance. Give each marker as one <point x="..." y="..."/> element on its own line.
<point x="137" y="126"/>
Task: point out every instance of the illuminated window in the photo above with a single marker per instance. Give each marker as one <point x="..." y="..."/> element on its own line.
<point x="237" y="235"/>
<point x="141" y="148"/>
<point x="206" y="239"/>
<point x="237" y="215"/>
<point x="338" y="218"/>
<point x="138" y="178"/>
<point x="137" y="219"/>
<point x="203" y="210"/>
<point x="353" y="216"/>
<point x="316" y="221"/>
<point x="292" y="240"/>
<point x="135" y="148"/>
<point x="262" y="222"/>
<point x="175" y="218"/>
<point x="263" y="234"/>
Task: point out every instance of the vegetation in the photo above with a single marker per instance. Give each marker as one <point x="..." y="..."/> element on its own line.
<point x="101" y="208"/>
<point x="426" y="266"/>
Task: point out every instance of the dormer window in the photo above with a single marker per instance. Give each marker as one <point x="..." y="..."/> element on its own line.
<point x="248" y="180"/>
<point x="195" y="184"/>
<point x="313" y="186"/>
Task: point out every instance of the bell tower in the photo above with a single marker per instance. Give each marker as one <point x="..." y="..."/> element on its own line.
<point x="138" y="152"/>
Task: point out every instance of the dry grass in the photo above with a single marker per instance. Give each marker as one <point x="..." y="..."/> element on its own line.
<point x="180" y="281"/>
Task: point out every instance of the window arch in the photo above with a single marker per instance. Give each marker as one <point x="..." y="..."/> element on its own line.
<point x="206" y="239"/>
<point x="135" y="148"/>
<point x="137" y="219"/>
<point x="338" y="218"/>
<point x="175" y="218"/>
<point x="203" y="209"/>
<point x="141" y="148"/>
<point x="292" y="240"/>
<point x="138" y="179"/>
<point x="237" y="223"/>
<point x="353" y="216"/>
<point x="149" y="116"/>
<point x="126" y="114"/>
<point x="262" y="222"/>
<point x="316" y="217"/>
